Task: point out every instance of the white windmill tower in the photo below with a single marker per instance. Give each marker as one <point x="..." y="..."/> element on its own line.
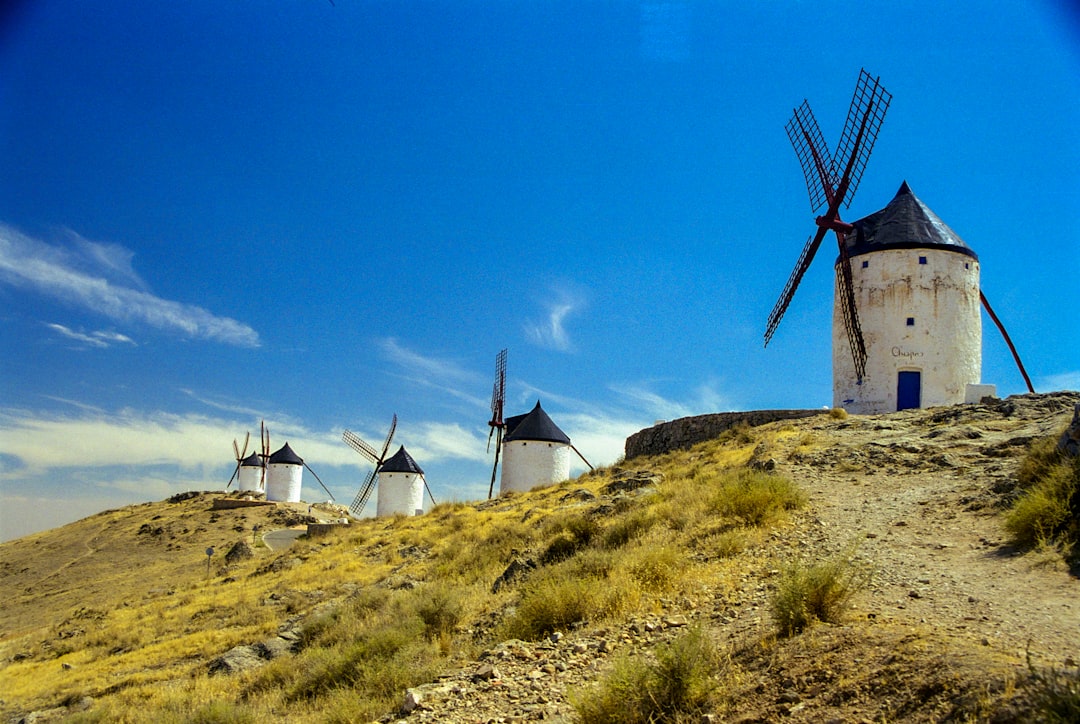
<point x="401" y="486"/>
<point x="285" y="474"/>
<point x="535" y="452"/>
<point x="251" y="474"/>
<point x="906" y="325"/>
<point x="250" y="471"/>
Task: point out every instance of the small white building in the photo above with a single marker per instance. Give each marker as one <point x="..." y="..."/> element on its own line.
<point x="401" y="486"/>
<point x="250" y="479"/>
<point x="284" y="476"/>
<point x="916" y="287"/>
<point x="535" y="452"/>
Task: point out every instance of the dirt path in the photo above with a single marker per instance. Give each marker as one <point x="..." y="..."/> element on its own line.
<point x="919" y="494"/>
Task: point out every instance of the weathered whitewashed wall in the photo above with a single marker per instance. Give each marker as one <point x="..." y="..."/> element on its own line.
<point x="528" y="464"/>
<point x="250" y="479"/>
<point x="400" y="493"/>
<point x="943" y="343"/>
<point x="283" y="482"/>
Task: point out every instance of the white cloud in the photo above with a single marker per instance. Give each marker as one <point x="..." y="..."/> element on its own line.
<point x="100" y="278"/>
<point x="99" y="339"/>
<point x="550" y="332"/>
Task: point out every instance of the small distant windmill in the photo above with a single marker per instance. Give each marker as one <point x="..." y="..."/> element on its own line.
<point x="240" y="454"/>
<point x="497" y="424"/>
<point x="356" y="443"/>
<point x="832" y="181"/>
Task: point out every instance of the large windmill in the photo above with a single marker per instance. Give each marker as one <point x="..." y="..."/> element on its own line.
<point x="378" y="457"/>
<point x="907" y="328"/>
<point x="497" y="424"/>
<point x="832" y="182"/>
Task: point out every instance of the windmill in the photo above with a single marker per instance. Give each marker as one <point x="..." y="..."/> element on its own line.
<point x="831" y="182"/>
<point x="356" y="443"/>
<point x="497" y="424"/>
<point x="240" y="454"/>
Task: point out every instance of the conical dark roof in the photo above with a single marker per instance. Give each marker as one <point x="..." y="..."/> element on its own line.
<point x="906" y="223"/>
<point x="286" y="456"/>
<point x="536" y="425"/>
<point x="400" y="462"/>
<point x="251" y="461"/>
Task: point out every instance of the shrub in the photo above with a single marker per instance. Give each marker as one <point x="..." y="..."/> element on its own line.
<point x="440" y="607"/>
<point x="680" y="684"/>
<point x="1048" y="509"/>
<point x="1055" y="694"/>
<point x="657" y="567"/>
<point x="816" y="593"/>
<point x="627" y="528"/>
<point x="757" y="498"/>
<point x="838" y="413"/>
<point x="551" y="602"/>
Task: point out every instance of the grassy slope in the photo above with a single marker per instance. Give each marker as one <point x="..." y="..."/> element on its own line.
<point x="131" y="619"/>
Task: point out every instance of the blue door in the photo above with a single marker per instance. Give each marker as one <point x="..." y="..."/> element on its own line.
<point x="908" y="390"/>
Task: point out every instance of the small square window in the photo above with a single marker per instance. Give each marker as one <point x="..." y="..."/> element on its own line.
<point x="922" y="259"/>
<point x="967" y="265"/>
<point x="911" y="321"/>
<point x="865" y="264"/>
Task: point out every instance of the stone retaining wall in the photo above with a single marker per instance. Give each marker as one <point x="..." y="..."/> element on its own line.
<point x="686" y="432"/>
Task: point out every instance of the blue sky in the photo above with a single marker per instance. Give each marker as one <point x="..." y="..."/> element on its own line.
<point x="321" y="214"/>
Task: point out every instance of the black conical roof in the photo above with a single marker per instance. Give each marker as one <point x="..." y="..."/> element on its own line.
<point x="251" y="461"/>
<point x="906" y="223"/>
<point x="286" y="456"/>
<point x="400" y="462"/>
<point x="536" y="425"/>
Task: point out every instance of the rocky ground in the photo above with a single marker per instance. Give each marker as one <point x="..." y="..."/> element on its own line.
<point x="950" y="620"/>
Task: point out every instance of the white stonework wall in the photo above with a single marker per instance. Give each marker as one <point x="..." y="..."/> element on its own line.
<point x="400" y="493"/>
<point x="250" y="479"/>
<point x="528" y="464"/>
<point x="283" y="482"/>
<point x="944" y="344"/>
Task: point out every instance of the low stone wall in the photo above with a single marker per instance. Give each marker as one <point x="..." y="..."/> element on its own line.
<point x="686" y="432"/>
<point x="231" y="503"/>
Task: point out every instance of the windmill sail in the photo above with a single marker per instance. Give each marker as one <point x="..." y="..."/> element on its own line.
<point x="826" y="184"/>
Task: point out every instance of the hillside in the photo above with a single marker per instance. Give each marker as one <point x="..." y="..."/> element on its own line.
<point x="119" y="617"/>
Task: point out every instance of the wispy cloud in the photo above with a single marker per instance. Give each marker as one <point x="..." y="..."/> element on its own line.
<point x="640" y="396"/>
<point x="550" y="331"/>
<point x="1060" y="381"/>
<point x="100" y="278"/>
<point x="441" y="374"/>
<point x="98" y="339"/>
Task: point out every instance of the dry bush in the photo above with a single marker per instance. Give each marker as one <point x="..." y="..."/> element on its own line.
<point x="820" y="592"/>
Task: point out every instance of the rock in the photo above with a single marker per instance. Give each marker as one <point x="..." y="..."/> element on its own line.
<point x="236" y="659"/>
<point x="486" y="672"/>
<point x="517" y="568"/>
<point x="239" y="551"/>
<point x="412" y="700"/>
<point x="1069" y="443"/>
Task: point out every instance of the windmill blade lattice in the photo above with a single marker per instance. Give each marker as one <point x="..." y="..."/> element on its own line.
<point x="240" y="455"/>
<point x="825" y="183"/>
<point x="818" y="167"/>
<point x="497" y="424"/>
<point x="865" y="116"/>
<point x="378" y="457"/>
<point x="801" y="266"/>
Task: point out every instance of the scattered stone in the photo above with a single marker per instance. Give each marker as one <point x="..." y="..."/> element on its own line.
<point x="518" y="568"/>
<point x="235" y="660"/>
<point x="239" y="551"/>
<point x="413" y="699"/>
